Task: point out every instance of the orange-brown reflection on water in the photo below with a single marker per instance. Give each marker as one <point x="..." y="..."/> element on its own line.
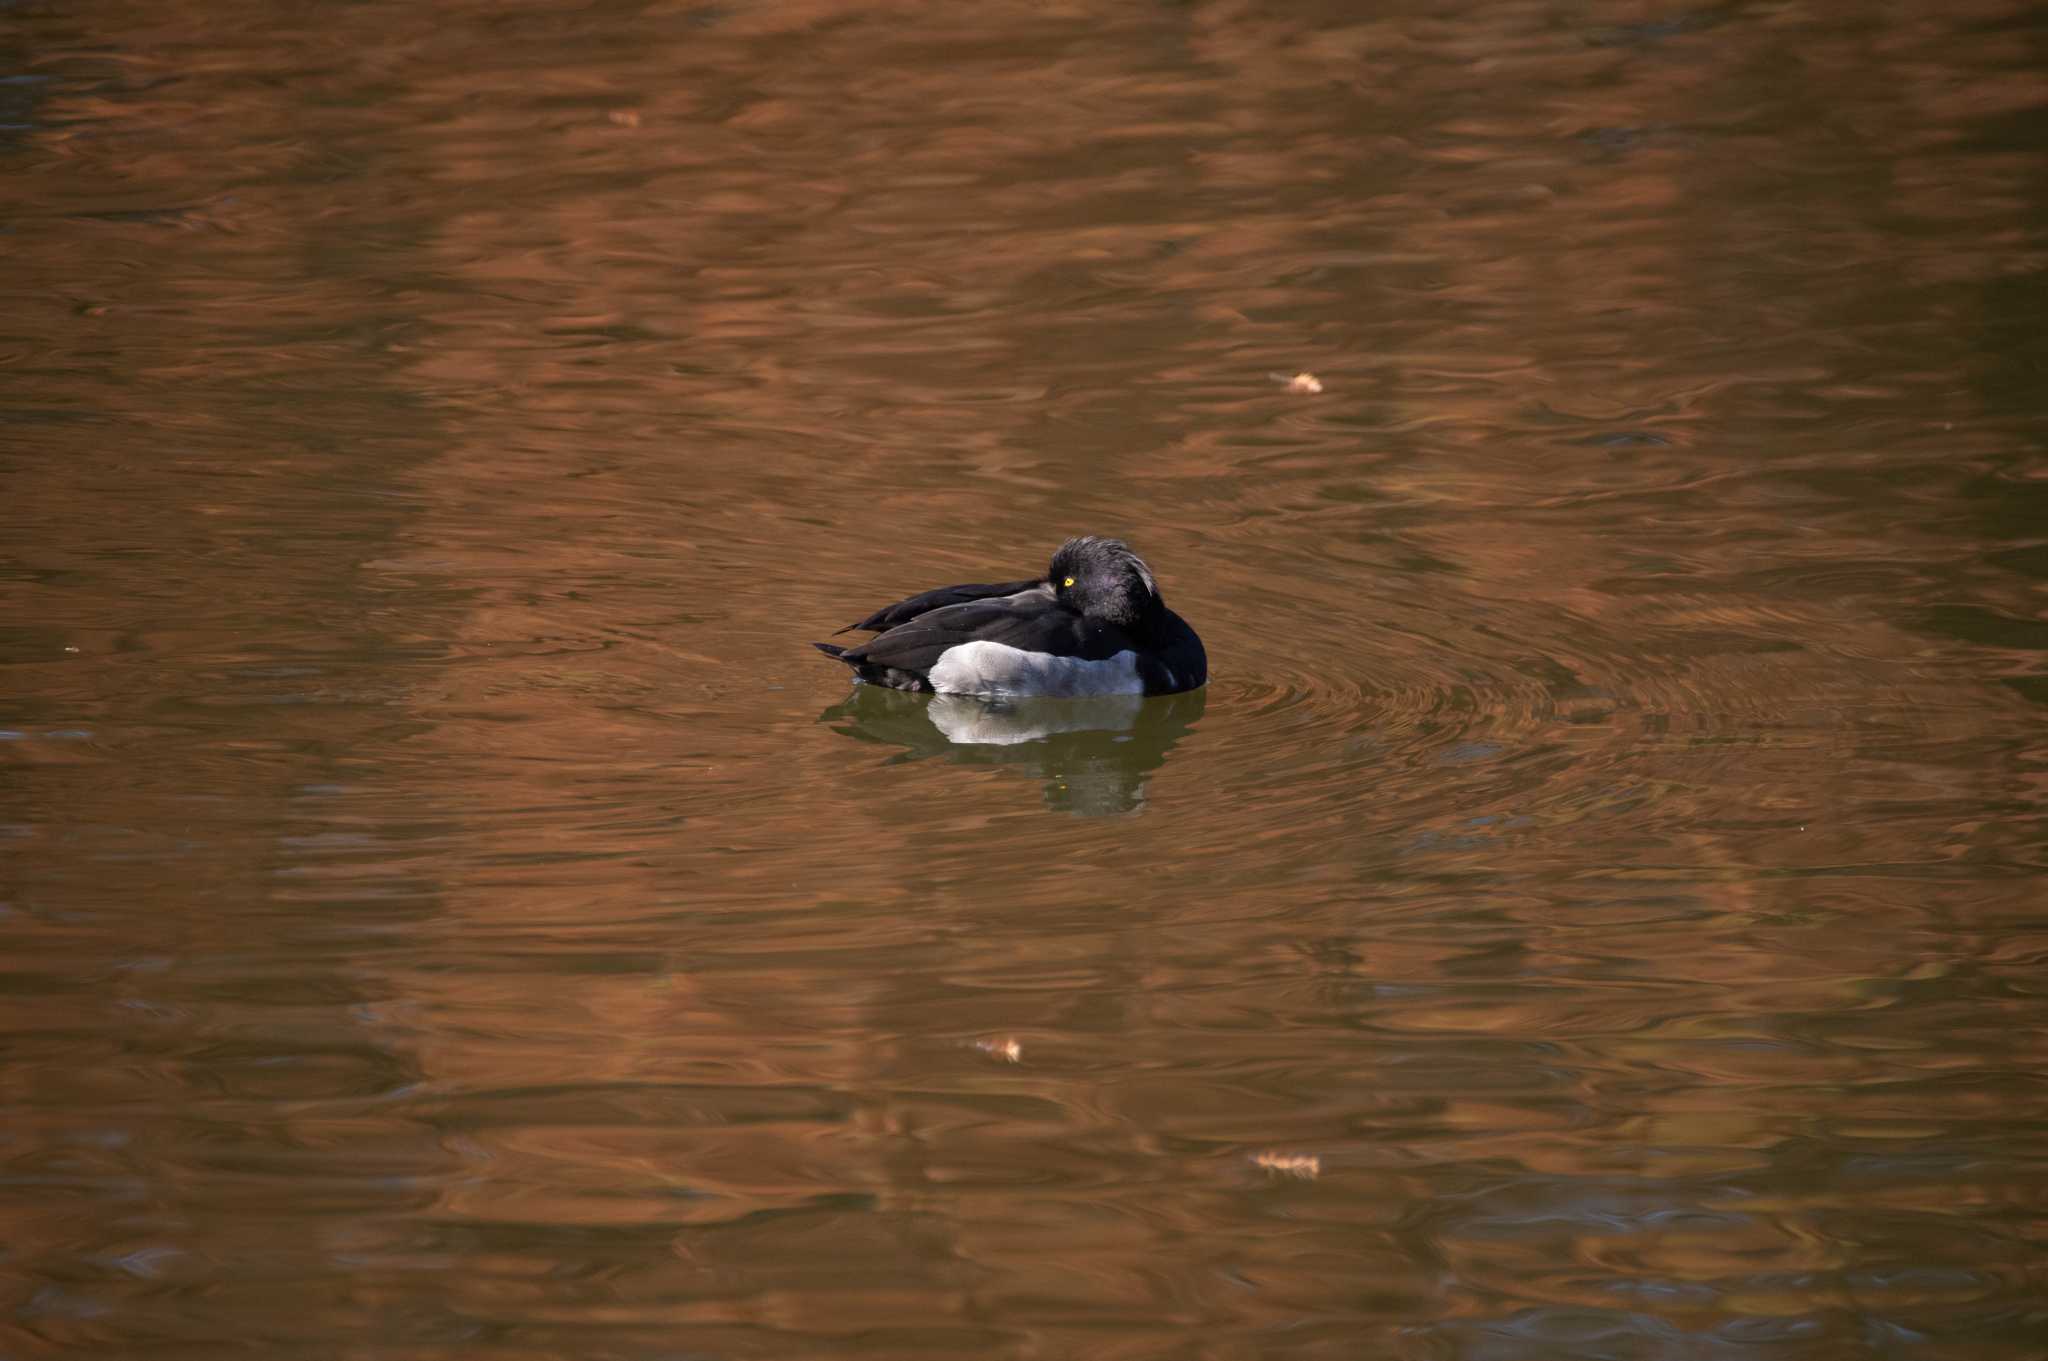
<point x="1593" y="912"/>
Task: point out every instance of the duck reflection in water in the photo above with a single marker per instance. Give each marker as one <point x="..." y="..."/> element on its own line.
<point x="1094" y="754"/>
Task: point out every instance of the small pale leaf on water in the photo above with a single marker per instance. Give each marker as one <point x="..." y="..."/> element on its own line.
<point x="1300" y="382"/>
<point x="1303" y="1165"/>
<point x="1007" y="1049"/>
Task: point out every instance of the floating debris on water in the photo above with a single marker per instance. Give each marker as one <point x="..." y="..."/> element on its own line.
<point x="1303" y="1165"/>
<point x="1006" y="1049"/>
<point x="1300" y="382"/>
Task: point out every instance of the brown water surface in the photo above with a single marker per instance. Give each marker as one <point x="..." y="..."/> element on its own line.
<point x="1596" y="910"/>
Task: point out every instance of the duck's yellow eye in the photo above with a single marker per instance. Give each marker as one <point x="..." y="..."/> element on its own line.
<point x="1068" y="582"/>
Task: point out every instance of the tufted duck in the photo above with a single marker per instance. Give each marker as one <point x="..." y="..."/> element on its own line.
<point x="1093" y="625"/>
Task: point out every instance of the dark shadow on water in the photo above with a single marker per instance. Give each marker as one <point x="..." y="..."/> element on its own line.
<point x="1093" y="754"/>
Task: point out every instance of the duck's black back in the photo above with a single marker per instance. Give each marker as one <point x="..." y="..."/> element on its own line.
<point x="903" y="611"/>
<point x="1031" y="621"/>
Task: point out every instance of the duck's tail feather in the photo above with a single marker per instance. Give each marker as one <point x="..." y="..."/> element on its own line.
<point x="830" y="649"/>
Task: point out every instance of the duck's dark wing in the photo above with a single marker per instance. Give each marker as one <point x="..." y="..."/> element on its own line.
<point x="1027" y="621"/>
<point x="903" y="611"/>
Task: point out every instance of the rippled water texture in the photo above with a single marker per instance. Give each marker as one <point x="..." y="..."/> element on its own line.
<point x="1596" y="910"/>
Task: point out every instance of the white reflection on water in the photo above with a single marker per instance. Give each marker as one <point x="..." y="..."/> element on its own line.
<point x="1093" y="754"/>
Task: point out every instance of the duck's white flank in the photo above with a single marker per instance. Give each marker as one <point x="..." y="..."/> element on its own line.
<point x="985" y="668"/>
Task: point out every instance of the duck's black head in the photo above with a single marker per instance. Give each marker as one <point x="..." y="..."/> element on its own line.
<point x="1104" y="579"/>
